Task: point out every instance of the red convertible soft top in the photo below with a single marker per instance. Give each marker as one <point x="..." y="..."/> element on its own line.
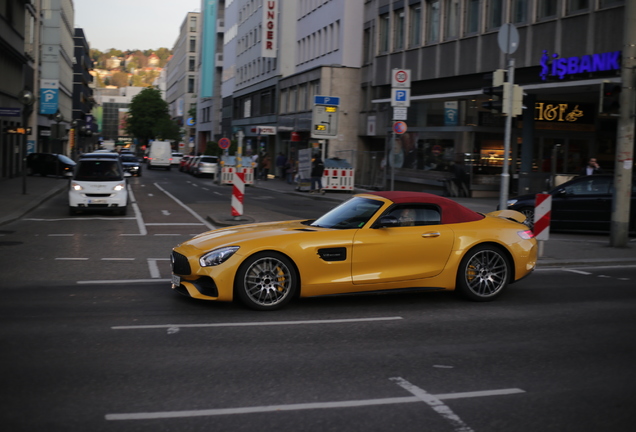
<point x="452" y="212"/>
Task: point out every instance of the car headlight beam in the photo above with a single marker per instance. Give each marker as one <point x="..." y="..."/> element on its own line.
<point x="511" y="202"/>
<point x="217" y="256"/>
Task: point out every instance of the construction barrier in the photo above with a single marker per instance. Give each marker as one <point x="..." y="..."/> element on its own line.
<point x="227" y="175"/>
<point x="338" y="179"/>
<point x="238" y="192"/>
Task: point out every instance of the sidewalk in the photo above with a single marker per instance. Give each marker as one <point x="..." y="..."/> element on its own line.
<point x="560" y="250"/>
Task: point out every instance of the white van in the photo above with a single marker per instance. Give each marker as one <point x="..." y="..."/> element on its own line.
<point x="160" y="155"/>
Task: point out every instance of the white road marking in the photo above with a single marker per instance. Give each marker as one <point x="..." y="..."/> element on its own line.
<point x="434" y="402"/>
<point x="199" y="218"/>
<point x="576" y="271"/>
<point x="254" y="324"/>
<point x="175" y="224"/>
<point x="117" y="259"/>
<point x="61" y="235"/>
<point x="624" y="279"/>
<point x="77" y="219"/>
<point x="71" y="259"/>
<point x="603" y="276"/>
<point x="301" y="406"/>
<point x="140" y="220"/>
<point x="443" y="367"/>
<point x="168" y="235"/>
<point x="154" y="268"/>
<point x="165" y="212"/>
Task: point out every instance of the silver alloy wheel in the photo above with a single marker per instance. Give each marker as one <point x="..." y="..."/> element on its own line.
<point x="528" y="212"/>
<point x="486" y="273"/>
<point x="268" y="281"/>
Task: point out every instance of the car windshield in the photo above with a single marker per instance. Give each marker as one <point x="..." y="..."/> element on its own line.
<point x="98" y="170"/>
<point x="209" y="159"/>
<point x="129" y="159"/>
<point x="66" y="160"/>
<point x="353" y="213"/>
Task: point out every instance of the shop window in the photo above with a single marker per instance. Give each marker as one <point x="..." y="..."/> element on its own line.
<point x="383" y="37"/>
<point x="451" y="25"/>
<point x="472" y="17"/>
<point x="432" y="22"/>
<point x="415" y="25"/>
<point x="398" y="35"/>
<point x="519" y="11"/>
<point x="495" y="13"/>
<point x="575" y="6"/>
<point x="546" y="9"/>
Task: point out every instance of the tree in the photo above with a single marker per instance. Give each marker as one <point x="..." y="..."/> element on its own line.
<point x="148" y="117"/>
<point x="120" y="79"/>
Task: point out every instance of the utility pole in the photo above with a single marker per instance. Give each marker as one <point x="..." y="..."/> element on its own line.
<point x="623" y="167"/>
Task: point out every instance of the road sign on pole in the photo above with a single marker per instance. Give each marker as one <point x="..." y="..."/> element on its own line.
<point x="324" y="119"/>
<point x="401" y="78"/>
<point x="401" y="97"/>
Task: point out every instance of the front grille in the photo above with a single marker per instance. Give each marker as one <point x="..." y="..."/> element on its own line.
<point x="180" y="264"/>
<point x="96" y="195"/>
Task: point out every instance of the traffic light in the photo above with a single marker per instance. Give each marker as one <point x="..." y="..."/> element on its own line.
<point x="610" y="98"/>
<point x="494" y="90"/>
<point x="517" y="100"/>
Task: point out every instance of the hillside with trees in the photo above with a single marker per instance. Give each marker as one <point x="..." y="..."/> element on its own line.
<point x="128" y="68"/>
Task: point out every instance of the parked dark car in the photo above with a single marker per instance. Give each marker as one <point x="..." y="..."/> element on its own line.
<point x="581" y="204"/>
<point x="49" y="164"/>
<point x="131" y="164"/>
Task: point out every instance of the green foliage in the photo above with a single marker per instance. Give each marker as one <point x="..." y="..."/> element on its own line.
<point x="120" y="79"/>
<point x="148" y="117"/>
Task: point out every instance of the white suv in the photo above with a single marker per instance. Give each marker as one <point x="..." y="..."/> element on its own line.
<point x="99" y="183"/>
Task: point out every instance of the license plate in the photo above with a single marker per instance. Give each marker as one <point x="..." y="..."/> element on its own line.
<point x="176" y="280"/>
<point x="97" y="201"/>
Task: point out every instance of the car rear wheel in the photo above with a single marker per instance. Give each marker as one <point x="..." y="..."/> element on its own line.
<point x="266" y="281"/>
<point x="483" y="273"/>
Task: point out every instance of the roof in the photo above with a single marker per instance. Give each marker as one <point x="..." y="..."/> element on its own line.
<point x="451" y="211"/>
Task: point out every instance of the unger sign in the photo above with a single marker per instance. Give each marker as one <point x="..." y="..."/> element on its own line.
<point x="270" y="22"/>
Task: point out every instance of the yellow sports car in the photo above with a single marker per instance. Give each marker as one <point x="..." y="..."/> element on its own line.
<point x="371" y="242"/>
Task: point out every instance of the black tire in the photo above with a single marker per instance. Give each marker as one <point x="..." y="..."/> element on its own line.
<point x="72" y="211"/>
<point x="483" y="273"/>
<point x="123" y="210"/>
<point x="266" y="281"/>
<point x="529" y="214"/>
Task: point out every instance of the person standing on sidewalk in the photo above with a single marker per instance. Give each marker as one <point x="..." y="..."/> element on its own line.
<point x="281" y="161"/>
<point x="592" y="168"/>
<point x="266" y="165"/>
<point x="317" y="169"/>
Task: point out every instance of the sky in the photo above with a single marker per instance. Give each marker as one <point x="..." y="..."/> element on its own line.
<point x="132" y="24"/>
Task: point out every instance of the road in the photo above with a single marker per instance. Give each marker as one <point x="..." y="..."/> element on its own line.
<point x="94" y="339"/>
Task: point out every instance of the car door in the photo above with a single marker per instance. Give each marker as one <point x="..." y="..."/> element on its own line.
<point x="585" y="204"/>
<point x="412" y="250"/>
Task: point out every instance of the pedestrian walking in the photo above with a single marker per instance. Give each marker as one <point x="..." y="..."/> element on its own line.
<point x="317" y="170"/>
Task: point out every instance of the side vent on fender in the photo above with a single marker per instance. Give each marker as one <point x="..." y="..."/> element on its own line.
<point x="333" y="254"/>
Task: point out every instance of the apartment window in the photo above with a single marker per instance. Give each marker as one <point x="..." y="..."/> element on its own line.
<point x="266" y="102"/>
<point x="191" y="64"/>
<point x="495" y="13"/>
<point x="546" y="9"/>
<point x="193" y="44"/>
<point x="578" y="5"/>
<point x="452" y="19"/>
<point x="472" y="16"/>
<point x="607" y="3"/>
<point x="432" y="24"/>
<point x="283" y="101"/>
<point x="398" y="35"/>
<point x="366" y="46"/>
<point x="415" y="25"/>
<point x="519" y="11"/>
<point x="302" y="97"/>
<point x="193" y="24"/>
<point x="384" y="33"/>
<point x="293" y="102"/>
<point x="190" y="85"/>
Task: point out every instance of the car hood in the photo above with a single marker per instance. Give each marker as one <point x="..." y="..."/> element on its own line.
<point x="252" y="232"/>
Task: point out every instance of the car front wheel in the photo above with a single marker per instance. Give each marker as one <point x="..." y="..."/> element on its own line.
<point x="483" y="273"/>
<point x="266" y="281"/>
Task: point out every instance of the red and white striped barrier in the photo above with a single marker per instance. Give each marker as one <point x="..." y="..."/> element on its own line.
<point x="227" y="175"/>
<point x="238" y="192"/>
<point x="542" y="209"/>
<point x="338" y="179"/>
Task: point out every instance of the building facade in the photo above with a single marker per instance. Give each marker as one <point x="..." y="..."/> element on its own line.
<point x="82" y="123"/>
<point x="182" y="78"/>
<point x="566" y="59"/>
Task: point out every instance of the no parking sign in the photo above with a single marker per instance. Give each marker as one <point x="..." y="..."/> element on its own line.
<point x="224" y="143"/>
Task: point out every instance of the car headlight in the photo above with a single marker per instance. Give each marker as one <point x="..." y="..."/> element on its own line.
<point x="511" y="202"/>
<point x="76" y="186"/>
<point x="217" y="256"/>
<point x="120" y="186"/>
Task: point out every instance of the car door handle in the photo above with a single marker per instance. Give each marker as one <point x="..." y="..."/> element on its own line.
<point x="431" y="234"/>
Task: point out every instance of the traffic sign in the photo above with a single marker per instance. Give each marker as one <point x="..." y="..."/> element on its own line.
<point x="324" y="119"/>
<point x="401" y="78"/>
<point x="401" y="97"/>
<point x="400" y="113"/>
<point x="224" y="143"/>
<point x="399" y="127"/>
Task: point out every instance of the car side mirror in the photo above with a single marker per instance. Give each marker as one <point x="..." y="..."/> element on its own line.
<point x="388" y="222"/>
